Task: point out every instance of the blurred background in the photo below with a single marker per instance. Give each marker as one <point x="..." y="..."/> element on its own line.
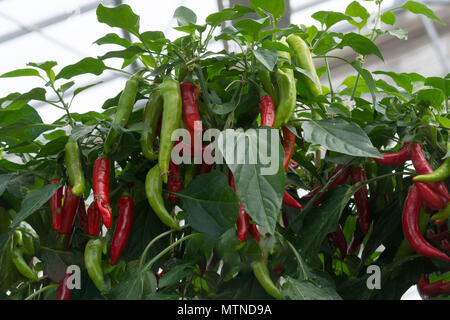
<point x="64" y="31"/>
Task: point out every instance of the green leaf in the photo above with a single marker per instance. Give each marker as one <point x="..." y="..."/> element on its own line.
<point x="154" y="40"/>
<point x="127" y="53"/>
<point x="33" y="201"/>
<point x="354" y="9"/>
<point x="53" y="147"/>
<point x="445" y="122"/>
<point x="340" y="136"/>
<point x="121" y="16"/>
<point x="211" y="210"/>
<point x="388" y="17"/>
<point x="86" y="65"/>
<point x="330" y="18"/>
<point x="431" y="96"/>
<point x="227" y="14"/>
<point x="252" y="27"/>
<point x="399" y="33"/>
<point x="403" y="80"/>
<point x="267" y="58"/>
<point x="4" y="180"/>
<point x="275" y="7"/>
<point x="175" y="274"/>
<point x="319" y="222"/>
<point x="308" y="290"/>
<point x="257" y="170"/>
<point x="420" y="8"/>
<point x="184" y="16"/>
<point x="27" y="72"/>
<point x="34" y="94"/>
<point x="113" y="38"/>
<point x="130" y="286"/>
<point x="47" y="66"/>
<point x="81" y="89"/>
<point x="360" y="44"/>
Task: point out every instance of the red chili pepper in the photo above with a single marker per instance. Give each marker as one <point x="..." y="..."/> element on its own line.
<point x="56" y="206"/>
<point x="243" y="218"/>
<point x="284" y="217"/>
<point x="267" y="109"/>
<point x="288" y="146"/>
<point x="422" y="166"/>
<point x="396" y="158"/>
<point x="204" y="168"/>
<point x="69" y="211"/>
<point x="189" y="95"/>
<point x="253" y="229"/>
<point x="411" y="230"/>
<point x="294" y="164"/>
<point x="431" y="199"/>
<point x="354" y="244"/>
<point x="339" y="241"/>
<point x="83" y="216"/>
<point x="290" y="201"/>
<point x="63" y="289"/>
<point x="174" y="182"/>
<point x="101" y="190"/>
<point x="361" y="199"/>
<point x="123" y="227"/>
<point x="341" y="179"/>
<point x="278" y="269"/>
<point x="429" y="290"/>
<point x="93" y="220"/>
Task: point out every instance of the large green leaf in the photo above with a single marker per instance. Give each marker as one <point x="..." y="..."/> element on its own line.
<point x="330" y="18"/>
<point x="420" y="8"/>
<point x="184" y="16"/>
<point x="26" y="72"/>
<point x="86" y="65"/>
<point x="308" y="290"/>
<point x="130" y="287"/>
<point x="275" y="7"/>
<point x="360" y="44"/>
<point x="121" y="16"/>
<point x="209" y="204"/>
<point x="340" y="136"/>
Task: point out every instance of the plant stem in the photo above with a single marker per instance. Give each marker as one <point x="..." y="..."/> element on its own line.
<point x="51" y="286"/>
<point x="329" y="80"/>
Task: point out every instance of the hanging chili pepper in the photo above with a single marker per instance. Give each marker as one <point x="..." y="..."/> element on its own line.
<point x="267" y="110"/>
<point x="263" y="276"/>
<point x="174" y="182"/>
<point x="290" y="201"/>
<point x="69" y="211"/>
<point x="153" y="191"/>
<point x="124" y="109"/>
<point x="123" y="227"/>
<point x="422" y="166"/>
<point x="74" y="166"/>
<point x="411" y="230"/>
<point x="431" y="199"/>
<point x="93" y="262"/>
<point x="396" y="158"/>
<point x="172" y="111"/>
<point x="100" y="185"/>
<point x="440" y="174"/>
<point x="242" y="222"/>
<point x="93" y="220"/>
<point x="189" y="96"/>
<point x="339" y="241"/>
<point x="361" y="199"/>
<point x="63" y="289"/>
<point x="151" y="117"/>
<point x="22" y="266"/>
<point x="83" y="216"/>
<point x="288" y="146"/>
<point x="340" y="180"/>
<point x="56" y="206"/>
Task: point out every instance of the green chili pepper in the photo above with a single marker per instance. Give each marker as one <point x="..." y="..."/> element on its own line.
<point x="288" y="94"/>
<point x="74" y="167"/>
<point x="262" y="274"/>
<point x="21" y="265"/>
<point x="440" y="174"/>
<point x="93" y="262"/>
<point x="152" y="114"/>
<point x="124" y="109"/>
<point x="443" y="214"/>
<point x="172" y="111"/>
<point x="153" y="190"/>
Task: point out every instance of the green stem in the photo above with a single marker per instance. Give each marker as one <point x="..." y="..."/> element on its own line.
<point x="329" y="79"/>
<point x="296" y="254"/>
<point x="34" y="294"/>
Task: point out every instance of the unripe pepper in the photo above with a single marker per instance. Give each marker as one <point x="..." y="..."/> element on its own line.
<point x="431" y="199"/>
<point x="174" y="182"/>
<point x="153" y="190"/>
<point x="440" y="174"/>
<point x="21" y="265"/>
<point x="396" y="158"/>
<point x="361" y="199"/>
<point x="288" y="146"/>
<point x="124" y="109"/>
<point x="266" y="81"/>
<point x="100" y="186"/>
<point x="74" y="167"/>
<point x="123" y="227"/>
<point x="262" y="274"/>
<point x="411" y="230"/>
<point x="172" y="111"/>
<point x="56" y="206"/>
<point x="152" y="115"/>
<point x="267" y="110"/>
<point x="69" y="210"/>
<point x="93" y="262"/>
<point x="93" y="220"/>
<point x="288" y="94"/>
<point x="189" y="95"/>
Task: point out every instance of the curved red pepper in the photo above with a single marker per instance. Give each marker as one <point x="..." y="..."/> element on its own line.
<point x="431" y="199"/>
<point x="361" y="199"/>
<point x="63" y="290"/>
<point x="123" y="227"/>
<point x="290" y="201"/>
<point x="174" y="182"/>
<point x="56" y="206"/>
<point x="422" y="166"/>
<point x="411" y="230"/>
<point x="339" y="241"/>
<point x="267" y="109"/>
<point x="101" y="190"/>
<point x="243" y="218"/>
<point x="189" y="95"/>
<point x="83" y="216"/>
<point x="93" y="220"/>
<point x="69" y="211"/>
<point x="396" y="158"/>
<point x="288" y="146"/>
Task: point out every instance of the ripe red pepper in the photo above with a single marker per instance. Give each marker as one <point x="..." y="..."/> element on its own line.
<point x="174" y="181"/>
<point x="339" y="241"/>
<point x="288" y="146"/>
<point x="411" y="230"/>
<point x="422" y="166"/>
<point x="63" y="290"/>
<point x="123" y="227"/>
<point x="93" y="220"/>
<point x="189" y="96"/>
<point x="396" y="158"/>
<point x="341" y="179"/>
<point x="205" y="168"/>
<point x="429" y="290"/>
<point x="243" y="218"/>
<point x="431" y="199"/>
<point x="284" y="218"/>
<point x="69" y="211"/>
<point x="267" y="109"/>
<point x="101" y="190"/>
<point x="253" y="229"/>
<point x="290" y="201"/>
<point x="56" y="206"/>
<point x="83" y="216"/>
<point x="361" y="199"/>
